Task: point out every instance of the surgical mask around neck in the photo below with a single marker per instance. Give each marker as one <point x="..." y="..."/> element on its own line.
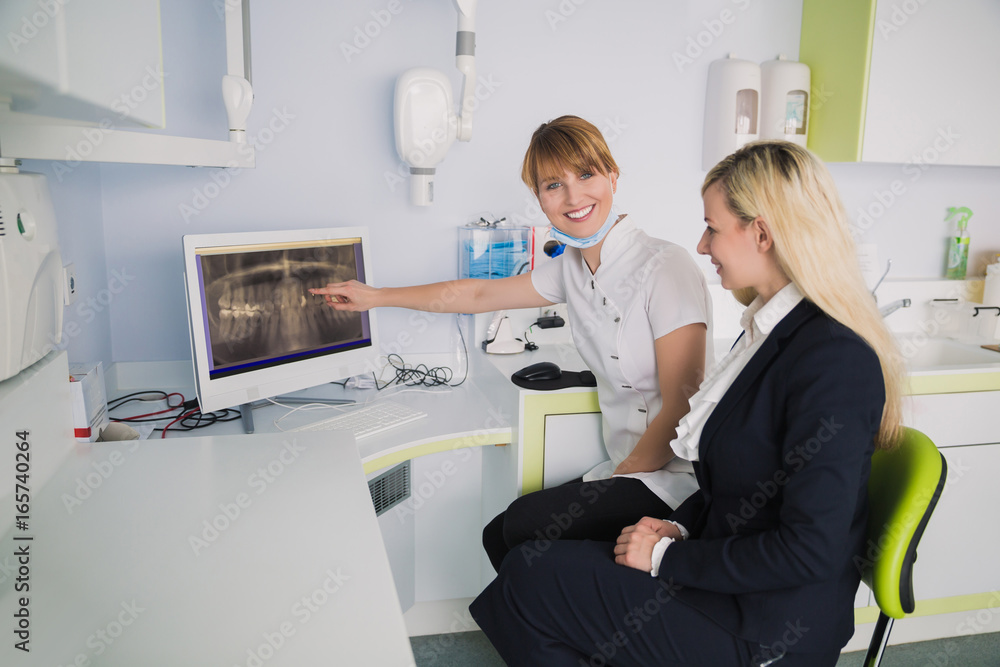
<point x="594" y="238"/>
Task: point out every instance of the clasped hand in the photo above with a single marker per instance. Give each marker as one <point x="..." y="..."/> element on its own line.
<point x="635" y="544"/>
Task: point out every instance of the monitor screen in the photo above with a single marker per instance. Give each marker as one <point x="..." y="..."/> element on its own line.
<point x="256" y="331"/>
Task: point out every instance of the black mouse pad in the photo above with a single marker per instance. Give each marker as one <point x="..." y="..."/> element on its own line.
<point x="567" y="379"/>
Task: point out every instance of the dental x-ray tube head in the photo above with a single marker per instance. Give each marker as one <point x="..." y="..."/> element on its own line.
<point x="425" y="127"/>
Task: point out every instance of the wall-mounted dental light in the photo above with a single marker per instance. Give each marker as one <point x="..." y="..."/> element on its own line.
<point x="426" y="124"/>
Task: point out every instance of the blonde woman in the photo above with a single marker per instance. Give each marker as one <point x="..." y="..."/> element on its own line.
<point x="757" y="566"/>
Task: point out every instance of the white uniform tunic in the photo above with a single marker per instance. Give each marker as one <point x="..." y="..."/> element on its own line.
<point x="644" y="288"/>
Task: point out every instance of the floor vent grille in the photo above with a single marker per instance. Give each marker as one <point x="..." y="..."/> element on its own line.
<point x="390" y="488"/>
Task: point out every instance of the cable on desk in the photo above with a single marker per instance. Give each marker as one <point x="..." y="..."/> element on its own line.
<point x="184" y="413"/>
<point x="413" y="376"/>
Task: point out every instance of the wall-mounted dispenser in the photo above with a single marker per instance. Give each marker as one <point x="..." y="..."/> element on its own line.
<point x="784" y="103"/>
<point x="425" y="122"/>
<point x="732" y="108"/>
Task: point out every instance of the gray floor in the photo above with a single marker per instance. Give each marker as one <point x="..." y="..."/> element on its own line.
<point x="466" y="649"/>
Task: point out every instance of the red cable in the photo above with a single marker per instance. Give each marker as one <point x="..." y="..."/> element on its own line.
<point x="186" y="414"/>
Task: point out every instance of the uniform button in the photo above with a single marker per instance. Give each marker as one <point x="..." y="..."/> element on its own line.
<point x="626" y="386"/>
<point x="642" y="410"/>
<point x="613" y="356"/>
<point x="618" y="319"/>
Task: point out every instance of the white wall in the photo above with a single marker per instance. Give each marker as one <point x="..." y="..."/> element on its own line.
<point x="329" y="157"/>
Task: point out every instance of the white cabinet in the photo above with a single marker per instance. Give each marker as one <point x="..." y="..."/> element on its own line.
<point x="958" y="553"/>
<point x="904" y="82"/>
<point x="559" y="434"/>
<point x="956" y="565"/>
<point x="573" y="445"/>
<point x="445" y="504"/>
<point x="99" y="60"/>
<point x="74" y="74"/>
<point x="933" y="89"/>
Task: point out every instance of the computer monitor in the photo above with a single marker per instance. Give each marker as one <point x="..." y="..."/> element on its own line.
<point x="256" y="331"/>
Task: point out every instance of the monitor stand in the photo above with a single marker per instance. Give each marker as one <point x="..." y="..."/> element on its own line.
<point x="246" y="409"/>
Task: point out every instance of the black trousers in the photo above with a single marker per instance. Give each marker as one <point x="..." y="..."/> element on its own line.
<point x="576" y="510"/>
<point x="572" y="605"/>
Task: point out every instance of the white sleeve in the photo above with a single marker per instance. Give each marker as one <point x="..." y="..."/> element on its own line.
<point x="659" y="549"/>
<point x="548" y="279"/>
<point x="676" y="292"/>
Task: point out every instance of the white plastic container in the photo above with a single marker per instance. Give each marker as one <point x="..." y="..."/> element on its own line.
<point x="732" y="108"/>
<point x="784" y="100"/>
<point x="991" y="286"/>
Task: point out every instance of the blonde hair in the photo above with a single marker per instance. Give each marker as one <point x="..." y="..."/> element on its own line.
<point x="793" y="192"/>
<point x="568" y="142"/>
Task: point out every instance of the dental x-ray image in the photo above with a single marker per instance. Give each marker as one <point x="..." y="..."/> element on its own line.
<point x="258" y="304"/>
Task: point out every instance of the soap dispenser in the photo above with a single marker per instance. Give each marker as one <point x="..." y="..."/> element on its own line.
<point x="958" y="243"/>
<point x="732" y="108"/>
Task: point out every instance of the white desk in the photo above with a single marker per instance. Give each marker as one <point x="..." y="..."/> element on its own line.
<point x="223" y="550"/>
<point x="458" y="417"/>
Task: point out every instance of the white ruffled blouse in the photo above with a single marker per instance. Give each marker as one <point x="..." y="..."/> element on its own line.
<point x="757" y="321"/>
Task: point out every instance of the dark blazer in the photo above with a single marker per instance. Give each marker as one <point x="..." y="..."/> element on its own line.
<point x="782" y="508"/>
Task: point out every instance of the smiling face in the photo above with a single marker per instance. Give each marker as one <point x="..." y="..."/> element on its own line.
<point x="577" y="203"/>
<point x="741" y="251"/>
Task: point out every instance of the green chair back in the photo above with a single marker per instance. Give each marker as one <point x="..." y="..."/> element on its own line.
<point x="903" y="490"/>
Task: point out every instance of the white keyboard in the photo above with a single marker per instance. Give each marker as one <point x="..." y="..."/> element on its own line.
<point x="375" y="418"/>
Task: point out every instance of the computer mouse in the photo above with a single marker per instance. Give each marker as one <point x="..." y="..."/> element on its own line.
<point x="543" y="370"/>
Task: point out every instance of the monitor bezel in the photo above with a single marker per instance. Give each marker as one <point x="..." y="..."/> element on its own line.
<point x="252" y="385"/>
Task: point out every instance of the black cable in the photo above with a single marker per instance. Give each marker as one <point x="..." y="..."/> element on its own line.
<point x="191" y="422"/>
<point x="199" y="420"/>
<point x="420" y="375"/>
<point x="528" y="345"/>
<point x="129" y="398"/>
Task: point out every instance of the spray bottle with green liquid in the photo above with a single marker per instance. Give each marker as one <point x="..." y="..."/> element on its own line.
<point x="958" y="243"/>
